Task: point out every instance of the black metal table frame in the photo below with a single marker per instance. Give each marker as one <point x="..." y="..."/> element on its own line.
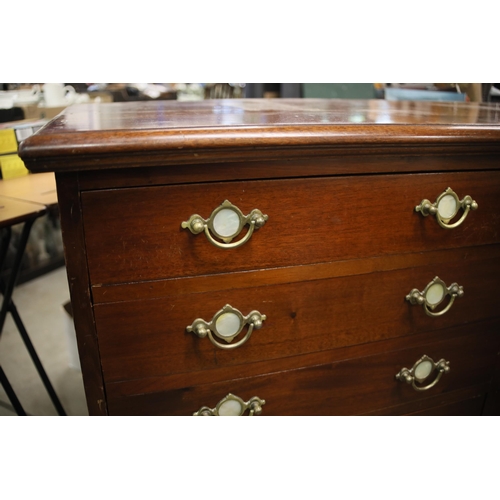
<point x="7" y="289"/>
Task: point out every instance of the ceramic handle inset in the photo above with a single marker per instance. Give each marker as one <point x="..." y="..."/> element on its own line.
<point x="225" y="223"/>
<point x="446" y="208"/>
<point x="232" y="406"/>
<point x="421" y="371"/>
<point x="433" y="294"/>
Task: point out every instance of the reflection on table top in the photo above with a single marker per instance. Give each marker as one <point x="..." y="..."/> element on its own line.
<point x="35" y="188"/>
<point x="216" y="114"/>
<point x="90" y="137"/>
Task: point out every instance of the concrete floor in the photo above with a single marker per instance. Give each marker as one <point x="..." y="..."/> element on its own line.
<point x="40" y="305"/>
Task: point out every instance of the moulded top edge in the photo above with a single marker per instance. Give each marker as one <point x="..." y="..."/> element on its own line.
<point x="165" y="127"/>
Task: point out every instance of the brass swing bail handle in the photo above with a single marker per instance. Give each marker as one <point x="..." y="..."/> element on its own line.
<point x="226" y="325"/>
<point x="421" y="371"/>
<point x="232" y="406"/>
<point x="446" y="207"/>
<point x="224" y="224"/>
<point x="433" y="295"/>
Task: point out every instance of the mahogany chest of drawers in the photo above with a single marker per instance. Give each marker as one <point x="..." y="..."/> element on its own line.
<point x="281" y="257"/>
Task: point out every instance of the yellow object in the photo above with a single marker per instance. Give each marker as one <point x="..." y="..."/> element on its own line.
<point x="8" y="142"/>
<point x="12" y="166"/>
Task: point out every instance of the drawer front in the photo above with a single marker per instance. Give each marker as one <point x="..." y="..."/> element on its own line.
<point x="148" y="338"/>
<point x="355" y="386"/>
<point x="468" y="408"/>
<point x="135" y="234"/>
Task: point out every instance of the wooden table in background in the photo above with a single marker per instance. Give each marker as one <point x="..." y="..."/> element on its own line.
<point x="35" y="188"/>
<point x="22" y="201"/>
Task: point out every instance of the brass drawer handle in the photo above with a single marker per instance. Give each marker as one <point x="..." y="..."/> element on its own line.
<point x="433" y="294"/>
<point x="227" y="324"/>
<point x="232" y="406"/>
<point x="226" y="222"/>
<point x="421" y="370"/>
<point x="446" y="208"/>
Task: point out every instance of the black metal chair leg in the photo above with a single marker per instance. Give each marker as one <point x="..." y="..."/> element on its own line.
<point x="14" y="272"/>
<point x="11" y="394"/>
<point x="4" y="247"/>
<point x="8" y="305"/>
<point x="36" y="359"/>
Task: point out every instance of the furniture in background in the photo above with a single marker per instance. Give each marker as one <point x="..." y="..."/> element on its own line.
<point x="25" y="211"/>
<point x="28" y="205"/>
<point x="44" y="251"/>
<point x="339" y="90"/>
<point x="311" y="90"/>
<point x="410" y="92"/>
<point x="284" y="90"/>
<point x="222" y="91"/>
<point x="397" y="94"/>
<point x="281" y="257"/>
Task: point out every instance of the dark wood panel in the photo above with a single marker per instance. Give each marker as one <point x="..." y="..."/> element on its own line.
<point x="161" y="383"/>
<point x="275" y="276"/>
<point x="345" y="388"/>
<point x="135" y="234"/>
<point x="469" y="408"/>
<point x="446" y="403"/>
<point x="492" y="405"/>
<point x="148" y="338"/>
<point x="258" y="169"/>
<point x="79" y="286"/>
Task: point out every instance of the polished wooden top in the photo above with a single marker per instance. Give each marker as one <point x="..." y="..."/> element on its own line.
<point x="229" y="113"/>
<point x="93" y="136"/>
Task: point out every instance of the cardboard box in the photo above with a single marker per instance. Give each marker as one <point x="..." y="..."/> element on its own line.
<point x="47" y="113"/>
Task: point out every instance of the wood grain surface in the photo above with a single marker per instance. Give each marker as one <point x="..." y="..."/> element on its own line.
<point x="79" y="287"/>
<point x="343" y="246"/>
<point x="135" y="234"/>
<point x="345" y="388"/>
<point x="156" y="289"/>
<point x="466" y="408"/>
<point x="255" y="169"/>
<point x="148" y="338"/>
<point x="114" y="135"/>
